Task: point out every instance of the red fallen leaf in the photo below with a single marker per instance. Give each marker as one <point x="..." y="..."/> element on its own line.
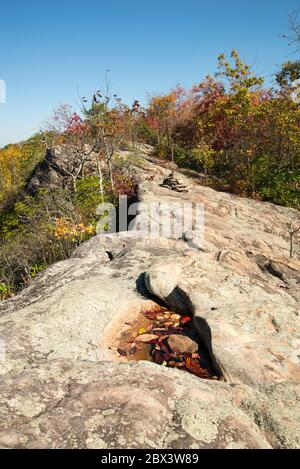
<point x="195" y="355"/>
<point x="185" y="319"/>
<point x="194" y="367"/>
<point x="122" y="352"/>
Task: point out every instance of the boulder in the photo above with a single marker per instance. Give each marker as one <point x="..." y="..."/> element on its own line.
<point x="180" y="344"/>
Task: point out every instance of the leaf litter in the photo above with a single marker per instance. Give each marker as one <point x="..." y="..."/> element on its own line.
<point x="147" y="339"/>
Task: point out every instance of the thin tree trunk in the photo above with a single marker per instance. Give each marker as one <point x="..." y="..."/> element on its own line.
<point x="100" y="179"/>
<point x="108" y="156"/>
<point x="172" y="151"/>
<point x="111" y="175"/>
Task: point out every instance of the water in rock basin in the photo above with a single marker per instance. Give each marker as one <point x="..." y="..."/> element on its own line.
<point x="168" y="339"/>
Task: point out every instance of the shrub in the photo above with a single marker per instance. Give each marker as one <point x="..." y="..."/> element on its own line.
<point x="16" y="164"/>
<point x="27" y="236"/>
<point x="5" y="291"/>
<point x="88" y="197"/>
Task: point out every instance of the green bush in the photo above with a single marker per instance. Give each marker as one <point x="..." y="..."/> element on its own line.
<point x="161" y="150"/>
<point x="278" y="185"/>
<point x="38" y="231"/>
<point x="27" y="236"/>
<point x="5" y="291"/>
<point x="88" y="197"/>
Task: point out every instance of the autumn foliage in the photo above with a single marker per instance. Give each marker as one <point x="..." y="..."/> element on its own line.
<point x="245" y="138"/>
<point x="16" y="162"/>
<point x="242" y="136"/>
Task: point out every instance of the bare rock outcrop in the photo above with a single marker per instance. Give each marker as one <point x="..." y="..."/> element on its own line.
<point x="62" y="382"/>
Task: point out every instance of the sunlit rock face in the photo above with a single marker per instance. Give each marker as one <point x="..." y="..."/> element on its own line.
<point x="63" y="383"/>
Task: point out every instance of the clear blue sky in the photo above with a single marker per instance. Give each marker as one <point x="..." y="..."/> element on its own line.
<point x="50" y="48"/>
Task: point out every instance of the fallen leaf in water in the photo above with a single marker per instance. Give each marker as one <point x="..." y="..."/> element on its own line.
<point x="169" y="323"/>
<point x="153" y="314"/>
<point x="162" y="324"/>
<point x="151" y="318"/>
<point x="147" y="338"/>
<point x="185" y="319"/>
<point x="160" y="318"/>
<point x="122" y="352"/>
<point x="194" y="367"/>
<point x="163" y="332"/>
<point x="159" y="330"/>
<point x="175" y="317"/>
<point x="180" y="364"/>
<point x="172" y="363"/>
<point x="161" y="338"/>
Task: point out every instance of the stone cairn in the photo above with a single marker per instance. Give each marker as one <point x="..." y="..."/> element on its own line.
<point x="172" y="183"/>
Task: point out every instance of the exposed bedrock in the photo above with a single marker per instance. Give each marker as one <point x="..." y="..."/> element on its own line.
<point x="61" y="383"/>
